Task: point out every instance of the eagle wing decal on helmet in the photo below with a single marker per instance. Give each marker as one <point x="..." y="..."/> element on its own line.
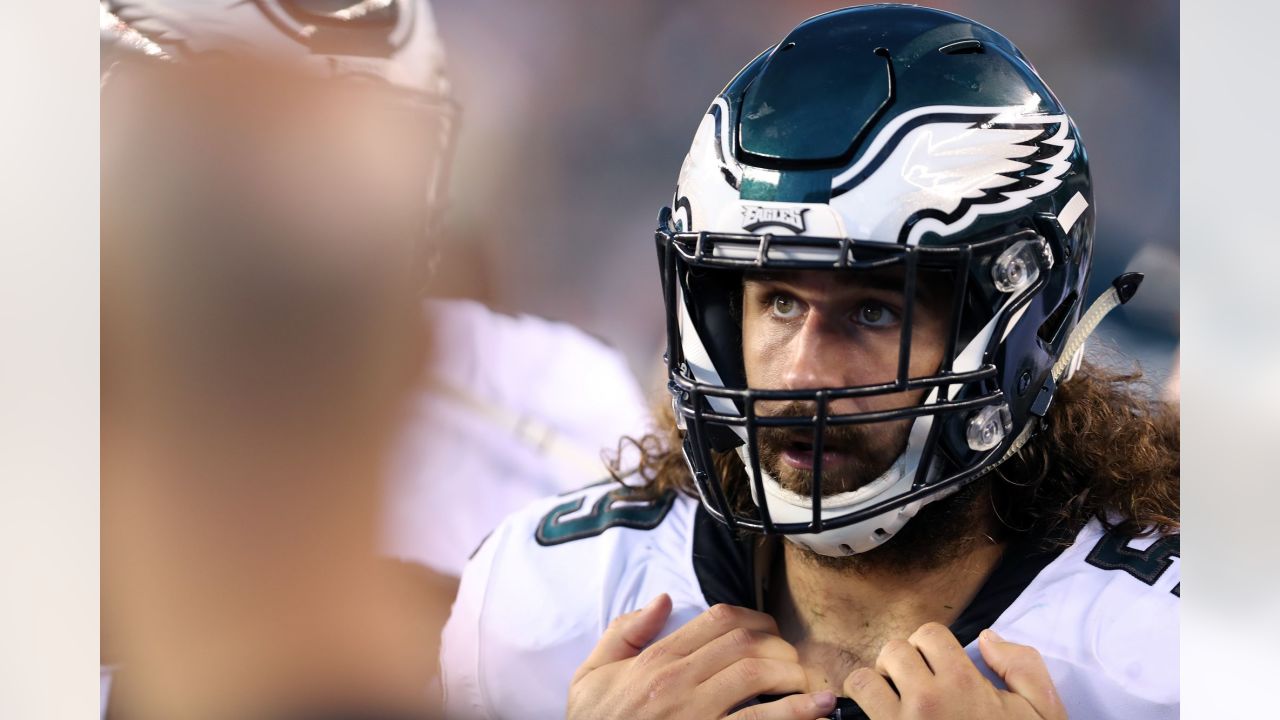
<point x="939" y="171"/>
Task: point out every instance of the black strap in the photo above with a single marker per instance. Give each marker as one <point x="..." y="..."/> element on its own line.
<point x="1022" y="561"/>
<point x="723" y="564"/>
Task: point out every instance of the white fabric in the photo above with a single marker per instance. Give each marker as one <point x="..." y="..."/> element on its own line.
<point x="104" y="689"/>
<point x="527" y="615"/>
<point x="1110" y="640"/>
<point x="529" y="406"/>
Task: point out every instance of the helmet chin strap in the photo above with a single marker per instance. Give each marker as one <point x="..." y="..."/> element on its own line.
<point x="1121" y="290"/>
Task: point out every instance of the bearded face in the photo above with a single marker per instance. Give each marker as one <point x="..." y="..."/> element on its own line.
<point x="809" y="330"/>
<point x="852" y="455"/>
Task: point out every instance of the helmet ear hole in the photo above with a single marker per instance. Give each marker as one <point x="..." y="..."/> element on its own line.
<point x="1050" y="331"/>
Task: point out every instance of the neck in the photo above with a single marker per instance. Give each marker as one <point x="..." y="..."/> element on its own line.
<point x="839" y="615"/>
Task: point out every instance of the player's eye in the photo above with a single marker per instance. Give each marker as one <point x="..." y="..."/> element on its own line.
<point x="875" y="314"/>
<point x="784" y="307"/>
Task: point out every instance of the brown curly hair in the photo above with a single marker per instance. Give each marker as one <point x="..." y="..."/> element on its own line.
<point x="1109" y="450"/>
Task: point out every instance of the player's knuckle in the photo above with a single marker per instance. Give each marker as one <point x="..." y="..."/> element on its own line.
<point x="925" y="702"/>
<point x="931" y="630"/>
<point x="748" y="670"/>
<point x="741" y="640"/>
<point x="771" y="622"/>
<point x="723" y="614"/>
<point x="894" y="647"/>
<point x="858" y="679"/>
<point x="652" y="656"/>
<point x="661" y="683"/>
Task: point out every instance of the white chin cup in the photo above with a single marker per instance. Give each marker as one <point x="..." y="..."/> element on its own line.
<point x="786" y="506"/>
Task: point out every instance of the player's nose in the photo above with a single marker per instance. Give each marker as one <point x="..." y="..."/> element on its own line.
<point x="817" y="357"/>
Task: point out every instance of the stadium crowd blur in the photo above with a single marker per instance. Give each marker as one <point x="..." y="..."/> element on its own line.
<point x="579" y="113"/>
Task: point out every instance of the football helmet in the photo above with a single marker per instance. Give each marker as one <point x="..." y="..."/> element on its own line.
<point x="896" y="138"/>
<point x="392" y="43"/>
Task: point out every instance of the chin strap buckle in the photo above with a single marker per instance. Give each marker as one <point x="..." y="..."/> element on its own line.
<point x="1121" y="291"/>
<point x="1040" y="407"/>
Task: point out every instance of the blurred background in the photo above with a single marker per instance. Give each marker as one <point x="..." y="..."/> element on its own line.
<point x="578" y="114"/>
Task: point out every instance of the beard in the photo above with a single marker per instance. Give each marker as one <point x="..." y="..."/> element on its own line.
<point x="859" y="453"/>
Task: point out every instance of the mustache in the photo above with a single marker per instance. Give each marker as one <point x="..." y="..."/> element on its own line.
<point x="835" y="438"/>
<point x="867" y="452"/>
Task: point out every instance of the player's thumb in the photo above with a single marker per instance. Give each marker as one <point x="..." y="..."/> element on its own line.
<point x="1024" y="673"/>
<point x="628" y="634"/>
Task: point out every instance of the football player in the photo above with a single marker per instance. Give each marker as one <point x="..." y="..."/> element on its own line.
<point x="270" y="170"/>
<point x="273" y="185"/>
<point x="889" y="487"/>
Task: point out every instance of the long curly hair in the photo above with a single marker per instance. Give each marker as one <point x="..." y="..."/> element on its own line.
<point x="1109" y="450"/>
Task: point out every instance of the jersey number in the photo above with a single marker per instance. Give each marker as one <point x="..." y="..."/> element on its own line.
<point x="616" y="508"/>
<point x="1113" y="553"/>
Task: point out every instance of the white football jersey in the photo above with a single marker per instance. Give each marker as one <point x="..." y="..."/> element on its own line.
<point x="516" y="408"/>
<point x="105" y="673"/>
<point x="540" y="591"/>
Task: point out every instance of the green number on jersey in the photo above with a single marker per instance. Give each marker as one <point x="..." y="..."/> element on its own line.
<point x="622" y="507"/>
<point x="1113" y="553"/>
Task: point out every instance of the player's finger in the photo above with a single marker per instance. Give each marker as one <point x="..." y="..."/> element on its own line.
<point x="810" y="706"/>
<point x="713" y="623"/>
<point x="744" y="680"/>
<point x="871" y="691"/>
<point x="627" y="635"/>
<point x="1024" y="672"/>
<point x="942" y="651"/>
<point x="900" y="661"/>
<point x="734" y="645"/>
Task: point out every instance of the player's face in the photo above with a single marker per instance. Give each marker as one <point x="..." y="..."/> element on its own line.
<point x="806" y="330"/>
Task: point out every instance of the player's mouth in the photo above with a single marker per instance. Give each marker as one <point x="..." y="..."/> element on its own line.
<point x="798" y="454"/>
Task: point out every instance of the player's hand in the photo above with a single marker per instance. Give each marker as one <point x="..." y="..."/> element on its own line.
<point x="937" y="680"/>
<point x="714" y="663"/>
